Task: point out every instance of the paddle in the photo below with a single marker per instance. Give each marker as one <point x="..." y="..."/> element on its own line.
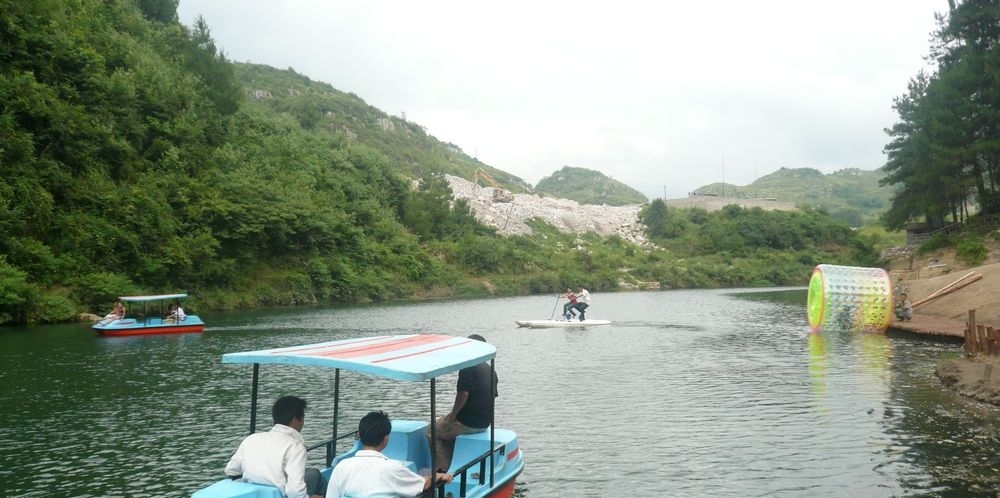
<point x="553" y="315"/>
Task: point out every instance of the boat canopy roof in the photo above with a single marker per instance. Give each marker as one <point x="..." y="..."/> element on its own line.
<point x="160" y="297"/>
<point x="413" y="357"/>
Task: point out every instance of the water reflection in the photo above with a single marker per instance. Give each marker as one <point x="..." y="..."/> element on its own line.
<point x="818" y="364"/>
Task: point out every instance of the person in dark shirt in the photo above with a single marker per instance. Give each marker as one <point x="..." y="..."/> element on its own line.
<point x="472" y="411"/>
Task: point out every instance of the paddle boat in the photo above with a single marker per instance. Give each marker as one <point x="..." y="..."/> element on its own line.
<point x="149" y="315"/>
<point x="548" y="324"/>
<point x="484" y="465"/>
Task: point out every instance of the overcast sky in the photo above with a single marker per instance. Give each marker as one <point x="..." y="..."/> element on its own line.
<point x="664" y="96"/>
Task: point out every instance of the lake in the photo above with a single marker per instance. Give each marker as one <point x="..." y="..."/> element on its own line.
<point x="709" y="393"/>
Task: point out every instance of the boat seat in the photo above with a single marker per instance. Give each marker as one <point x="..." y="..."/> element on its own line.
<point x="407" y="443"/>
<point x="347" y="454"/>
<point x="469" y="447"/>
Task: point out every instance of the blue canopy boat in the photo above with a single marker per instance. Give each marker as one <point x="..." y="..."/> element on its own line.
<point x="149" y="315"/>
<point x="484" y="464"/>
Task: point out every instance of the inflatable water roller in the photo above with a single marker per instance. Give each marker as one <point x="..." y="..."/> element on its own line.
<point x="849" y="298"/>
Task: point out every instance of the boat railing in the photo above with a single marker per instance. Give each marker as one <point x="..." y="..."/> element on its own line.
<point x="331" y="445"/>
<point x="463" y="472"/>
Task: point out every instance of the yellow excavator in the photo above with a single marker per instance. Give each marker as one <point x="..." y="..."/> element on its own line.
<point x="499" y="194"/>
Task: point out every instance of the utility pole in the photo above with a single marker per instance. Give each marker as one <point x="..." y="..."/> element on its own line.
<point x="723" y="172"/>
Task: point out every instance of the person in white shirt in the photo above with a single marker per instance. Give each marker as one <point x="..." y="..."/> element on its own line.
<point x="582" y="302"/>
<point x="116" y="314"/>
<point x="369" y="473"/>
<point x="177" y="315"/>
<point x="278" y="457"/>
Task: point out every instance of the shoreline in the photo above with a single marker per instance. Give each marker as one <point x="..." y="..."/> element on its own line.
<point x="973" y="377"/>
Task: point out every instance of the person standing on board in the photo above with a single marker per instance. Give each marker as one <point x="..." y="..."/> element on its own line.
<point x="370" y="473"/>
<point x="583" y="302"/>
<point x="278" y="457"/>
<point x="472" y="411"/>
<point x="568" y="308"/>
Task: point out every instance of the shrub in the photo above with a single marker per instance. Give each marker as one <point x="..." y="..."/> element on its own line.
<point x="971" y="250"/>
<point x="54" y="308"/>
<point x="938" y="241"/>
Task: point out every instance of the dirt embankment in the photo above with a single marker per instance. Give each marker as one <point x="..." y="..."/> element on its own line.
<point x="921" y="276"/>
<point x="981" y="295"/>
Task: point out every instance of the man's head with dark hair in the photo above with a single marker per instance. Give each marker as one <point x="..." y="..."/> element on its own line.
<point x="373" y="428"/>
<point x="288" y="408"/>
<point x="477" y="337"/>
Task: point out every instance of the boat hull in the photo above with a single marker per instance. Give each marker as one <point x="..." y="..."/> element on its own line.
<point x="548" y="324"/>
<point x="228" y="488"/>
<point x="128" y="327"/>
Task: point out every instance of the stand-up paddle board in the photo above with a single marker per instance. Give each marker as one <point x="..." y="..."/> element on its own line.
<point x="546" y="324"/>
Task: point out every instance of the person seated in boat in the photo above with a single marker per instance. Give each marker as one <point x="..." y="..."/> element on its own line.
<point x="471" y="412"/>
<point x="176" y="314"/>
<point x="117" y="312"/>
<point x="278" y="457"/>
<point x="582" y="302"/>
<point x="569" y="309"/>
<point x="370" y="473"/>
<point x="904" y="310"/>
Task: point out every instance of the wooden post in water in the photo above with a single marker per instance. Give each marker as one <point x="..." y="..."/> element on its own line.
<point x="981" y="338"/>
<point x="992" y="340"/>
<point x="987" y="340"/>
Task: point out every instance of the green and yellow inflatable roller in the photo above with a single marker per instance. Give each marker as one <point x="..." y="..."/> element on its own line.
<point x="849" y="297"/>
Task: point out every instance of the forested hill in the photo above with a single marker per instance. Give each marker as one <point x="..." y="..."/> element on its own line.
<point x="852" y="195"/>
<point x="589" y="187"/>
<point x="317" y="106"/>
<point x="134" y="161"/>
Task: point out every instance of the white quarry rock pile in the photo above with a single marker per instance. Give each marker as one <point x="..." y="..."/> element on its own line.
<point x="568" y="216"/>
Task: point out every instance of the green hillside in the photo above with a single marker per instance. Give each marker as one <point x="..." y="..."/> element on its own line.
<point x="317" y="106"/>
<point x="852" y="195"/>
<point x="588" y="187"/>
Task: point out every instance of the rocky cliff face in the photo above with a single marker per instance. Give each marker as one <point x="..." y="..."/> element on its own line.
<point x="510" y="218"/>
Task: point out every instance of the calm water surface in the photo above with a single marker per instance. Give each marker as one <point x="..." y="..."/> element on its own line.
<point x="688" y="393"/>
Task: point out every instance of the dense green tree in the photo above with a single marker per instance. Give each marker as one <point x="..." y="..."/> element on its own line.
<point x="946" y="146"/>
<point x="654" y="216"/>
<point x="160" y="10"/>
<point x="660" y="221"/>
<point x="215" y="72"/>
